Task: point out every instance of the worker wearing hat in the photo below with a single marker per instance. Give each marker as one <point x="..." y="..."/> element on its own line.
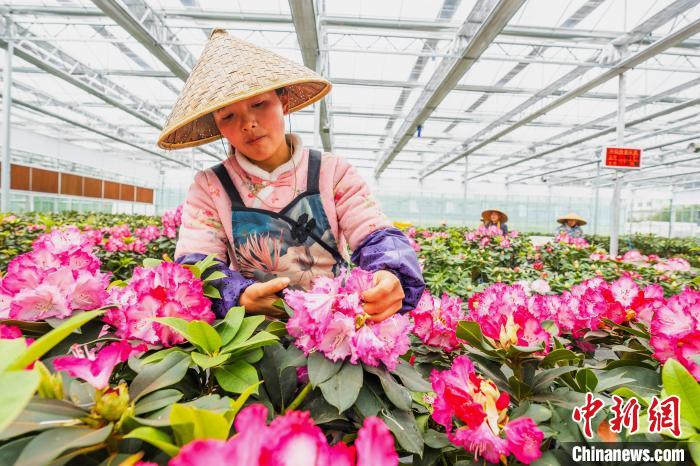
<point x="570" y="225"/>
<point x="494" y="217"/>
<point x="275" y="213"/>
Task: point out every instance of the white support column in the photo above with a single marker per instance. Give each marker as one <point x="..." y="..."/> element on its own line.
<point x="466" y="190"/>
<point x="596" y="205"/>
<point x="6" y="109"/>
<point x="672" y="213"/>
<point x="615" y="220"/>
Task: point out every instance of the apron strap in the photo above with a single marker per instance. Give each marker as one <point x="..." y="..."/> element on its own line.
<point x="314" y="171"/>
<point x="225" y="179"/>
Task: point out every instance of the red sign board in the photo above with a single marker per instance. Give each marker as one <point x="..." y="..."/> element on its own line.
<point x="623" y="157"/>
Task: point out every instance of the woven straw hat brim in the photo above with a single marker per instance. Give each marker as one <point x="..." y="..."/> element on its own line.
<point x="228" y="71"/>
<point x="487" y="213"/>
<point x="579" y="221"/>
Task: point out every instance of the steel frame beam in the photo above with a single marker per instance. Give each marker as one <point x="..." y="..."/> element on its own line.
<point x="624" y="65"/>
<point x="473" y="38"/>
<point x="311" y="43"/>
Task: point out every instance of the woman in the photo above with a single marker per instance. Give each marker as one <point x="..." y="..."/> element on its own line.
<point x="571" y="226"/>
<point x="494" y="217"/>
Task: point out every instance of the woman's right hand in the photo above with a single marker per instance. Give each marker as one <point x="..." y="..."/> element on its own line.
<point x="259" y="298"/>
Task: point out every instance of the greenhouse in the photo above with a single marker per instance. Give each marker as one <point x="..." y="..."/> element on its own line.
<point x="322" y="232"/>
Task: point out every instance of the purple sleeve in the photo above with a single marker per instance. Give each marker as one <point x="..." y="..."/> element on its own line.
<point x="230" y="287"/>
<point x="389" y="249"/>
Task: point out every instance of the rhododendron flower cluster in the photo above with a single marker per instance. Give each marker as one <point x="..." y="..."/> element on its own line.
<point x="675" y="330"/>
<point x="490" y="235"/>
<point x="59" y="276"/>
<point x="512" y="314"/>
<point x="575" y="242"/>
<point x="290" y="440"/>
<point x="435" y="320"/>
<point x="329" y="318"/>
<point x="475" y="415"/>
<point x="675" y="264"/>
<point x="171" y="220"/>
<point x="168" y="290"/>
<point x="96" y="367"/>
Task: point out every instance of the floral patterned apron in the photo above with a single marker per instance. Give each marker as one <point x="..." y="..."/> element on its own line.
<point x="295" y="242"/>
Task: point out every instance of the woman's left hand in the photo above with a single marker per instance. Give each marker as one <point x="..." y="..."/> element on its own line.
<point x="385" y="297"/>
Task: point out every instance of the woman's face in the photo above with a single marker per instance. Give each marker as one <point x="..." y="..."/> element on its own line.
<point x="255" y="126"/>
<point x="571" y="223"/>
<point x="494" y="217"/>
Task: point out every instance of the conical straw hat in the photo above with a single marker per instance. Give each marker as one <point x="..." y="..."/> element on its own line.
<point x="579" y="221"/>
<point x="229" y="70"/>
<point x="485" y="215"/>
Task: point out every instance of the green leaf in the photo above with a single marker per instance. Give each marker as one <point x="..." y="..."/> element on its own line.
<point x="678" y="381"/>
<point x="211" y="291"/>
<point x="205" y="263"/>
<point x="51" y="443"/>
<point x="16" y="389"/>
<point x="230" y="325"/>
<point x="189" y="423"/>
<point x="215" y="275"/>
<point x="10" y="451"/>
<point x="157" y="356"/>
<point x="397" y="394"/>
<point x="236" y="377"/>
<point x="149" y="262"/>
<point x="42" y="414"/>
<point x="247" y="329"/>
<point x="157" y="400"/>
<point x="403" y="425"/>
<point x="559" y="355"/>
<point x="520" y="389"/>
<point x="342" y="389"/>
<point x="205" y="362"/>
<point x="277" y="328"/>
<point x="204" y="335"/>
<point x="44" y="344"/>
<point x="586" y="380"/>
<point x="471" y="332"/>
<point x="162" y="374"/>
<point x="177" y="324"/>
<point x="11" y="350"/>
<point x="321" y="368"/>
<point x="258" y="340"/>
<point x="253" y="356"/>
<point x="155" y="437"/>
<point x="543" y="380"/>
<point x="238" y="403"/>
<point x="411" y="378"/>
<point x="367" y="402"/>
<point x="435" y="439"/>
<point x="694" y="448"/>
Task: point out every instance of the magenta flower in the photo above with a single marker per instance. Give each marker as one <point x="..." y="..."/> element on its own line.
<point x="435" y="320"/>
<point x="9" y="332"/>
<point x="329" y="318"/>
<point x="675" y="330"/>
<point x="475" y="415"/>
<point x="168" y="290"/>
<point x="290" y="440"/>
<point x="96" y="369"/>
<point x="524" y="439"/>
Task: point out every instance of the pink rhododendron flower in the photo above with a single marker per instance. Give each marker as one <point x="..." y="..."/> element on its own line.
<point x="524" y="439"/>
<point x="577" y="243"/>
<point x="633" y="256"/>
<point x="435" y="320"/>
<point x="96" y="368"/>
<point x="60" y="275"/>
<point x="168" y="290"/>
<point x="9" y="332"/>
<point x="675" y="330"/>
<point x="482" y="411"/>
<point x="329" y="318"/>
<point x="171" y="220"/>
<point x="290" y="440"/>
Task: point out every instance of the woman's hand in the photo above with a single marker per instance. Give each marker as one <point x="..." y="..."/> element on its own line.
<point x="384" y="298"/>
<point x="259" y="298"/>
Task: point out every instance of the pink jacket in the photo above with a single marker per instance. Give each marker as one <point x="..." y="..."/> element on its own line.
<point x="206" y="216"/>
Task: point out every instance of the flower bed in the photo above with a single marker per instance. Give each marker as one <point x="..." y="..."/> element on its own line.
<point x="130" y="366"/>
